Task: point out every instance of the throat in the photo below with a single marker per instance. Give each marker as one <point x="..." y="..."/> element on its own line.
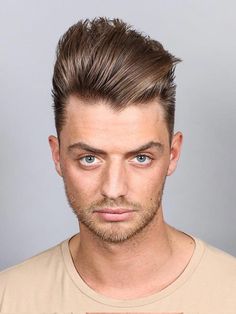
<point x="121" y="276"/>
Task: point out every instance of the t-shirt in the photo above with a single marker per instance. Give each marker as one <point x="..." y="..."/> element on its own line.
<point x="49" y="283"/>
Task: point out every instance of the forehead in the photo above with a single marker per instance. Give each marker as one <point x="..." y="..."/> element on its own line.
<point x="97" y="122"/>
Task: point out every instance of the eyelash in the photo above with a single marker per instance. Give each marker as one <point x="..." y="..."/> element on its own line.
<point x="140" y="164"/>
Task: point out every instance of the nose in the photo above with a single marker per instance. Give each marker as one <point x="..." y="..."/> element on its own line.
<point x="114" y="182"/>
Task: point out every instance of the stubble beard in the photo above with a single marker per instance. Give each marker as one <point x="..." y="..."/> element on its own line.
<point x="115" y="232"/>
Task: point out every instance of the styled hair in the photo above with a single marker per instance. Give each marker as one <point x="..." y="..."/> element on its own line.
<point x="105" y="59"/>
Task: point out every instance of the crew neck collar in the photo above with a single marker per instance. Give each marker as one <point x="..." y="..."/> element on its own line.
<point x="97" y="297"/>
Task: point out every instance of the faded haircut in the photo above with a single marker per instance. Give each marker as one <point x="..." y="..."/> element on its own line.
<point x="106" y="59"/>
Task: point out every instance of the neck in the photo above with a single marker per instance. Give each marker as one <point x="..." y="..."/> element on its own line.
<point x="147" y="254"/>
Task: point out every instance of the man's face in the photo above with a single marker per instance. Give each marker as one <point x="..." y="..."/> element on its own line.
<point x="114" y="165"/>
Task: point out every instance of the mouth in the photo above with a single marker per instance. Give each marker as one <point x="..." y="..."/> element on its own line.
<point x="114" y="210"/>
<point x="114" y="214"/>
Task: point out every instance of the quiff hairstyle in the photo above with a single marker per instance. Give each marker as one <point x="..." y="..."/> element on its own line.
<point x="105" y="59"/>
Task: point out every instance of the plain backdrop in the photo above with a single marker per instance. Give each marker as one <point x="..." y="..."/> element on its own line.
<point x="199" y="198"/>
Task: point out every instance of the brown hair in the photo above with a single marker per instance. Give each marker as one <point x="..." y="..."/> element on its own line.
<point x="105" y="59"/>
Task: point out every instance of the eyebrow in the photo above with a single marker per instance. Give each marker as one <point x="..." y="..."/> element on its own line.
<point x="86" y="147"/>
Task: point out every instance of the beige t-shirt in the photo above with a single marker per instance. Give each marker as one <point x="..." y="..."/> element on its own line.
<point x="49" y="283"/>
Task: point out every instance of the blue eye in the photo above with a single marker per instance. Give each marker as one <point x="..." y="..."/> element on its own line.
<point x="88" y="160"/>
<point x="143" y="159"/>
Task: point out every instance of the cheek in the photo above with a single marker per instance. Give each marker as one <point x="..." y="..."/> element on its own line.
<point x="147" y="183"/>
<point x="84" y="183"/>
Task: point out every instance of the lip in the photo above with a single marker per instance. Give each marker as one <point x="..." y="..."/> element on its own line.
<point x="114" y="211"/>
<point x="115" y="215"/>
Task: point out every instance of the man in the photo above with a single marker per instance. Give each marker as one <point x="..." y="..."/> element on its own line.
<point x="114" y="103"/>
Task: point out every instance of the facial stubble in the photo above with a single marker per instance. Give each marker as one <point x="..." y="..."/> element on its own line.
<point x="115" y="232"/>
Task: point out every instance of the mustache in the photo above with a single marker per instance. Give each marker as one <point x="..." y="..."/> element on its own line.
<point x="111" y="203"/>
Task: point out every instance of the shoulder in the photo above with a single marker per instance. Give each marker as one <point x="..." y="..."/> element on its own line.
<point x="217" y="266"/>
<point x="34" y="269"/>
<point x="220" y="257"/>
<point x="36" y="281"/>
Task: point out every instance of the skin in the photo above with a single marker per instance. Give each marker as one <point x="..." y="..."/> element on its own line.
<point x="109" y="254"/>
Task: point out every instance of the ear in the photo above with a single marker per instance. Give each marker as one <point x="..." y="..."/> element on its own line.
<point x="55" y="149"/>
<point x="175" y="150"/>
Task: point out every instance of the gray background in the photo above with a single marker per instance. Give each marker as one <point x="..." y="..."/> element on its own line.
<point x="199" y="198"/>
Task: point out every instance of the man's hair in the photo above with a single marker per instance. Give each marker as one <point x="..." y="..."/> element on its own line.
<point x="105" y="59"/>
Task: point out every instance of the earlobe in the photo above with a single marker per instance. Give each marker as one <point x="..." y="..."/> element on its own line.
<point x="175" y="152"/>
<point x="55" y="150"/>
